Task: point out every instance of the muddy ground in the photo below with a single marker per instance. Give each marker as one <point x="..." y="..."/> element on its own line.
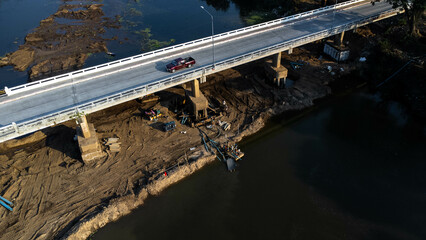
<point x="55" y="192"/>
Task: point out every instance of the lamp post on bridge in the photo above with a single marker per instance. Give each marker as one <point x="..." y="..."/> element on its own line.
<point x="334" y="12"/>
<point x="212" y="34"/>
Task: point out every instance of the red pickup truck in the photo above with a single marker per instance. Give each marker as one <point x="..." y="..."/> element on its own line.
<point x="180" y="63"/>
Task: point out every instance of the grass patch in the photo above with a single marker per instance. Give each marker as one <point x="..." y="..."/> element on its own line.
<point x="257" y="17"/>
<point x="149" y="44"/>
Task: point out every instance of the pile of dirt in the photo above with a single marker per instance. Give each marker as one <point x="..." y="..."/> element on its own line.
<point x="63" y="41"/>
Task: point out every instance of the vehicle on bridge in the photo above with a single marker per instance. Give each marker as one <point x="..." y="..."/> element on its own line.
<point x="180" y="63"/>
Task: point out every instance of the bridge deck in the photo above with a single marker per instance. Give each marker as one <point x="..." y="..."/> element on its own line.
<point x="44" y="100"/>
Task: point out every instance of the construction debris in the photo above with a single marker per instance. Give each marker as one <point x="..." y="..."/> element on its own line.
<point x="113" y="144"/>
<point x="169" y="126"/>
<point x="6" y="203"/>
<point x="296" y="65"/>
<point x="225" y="125"/>
<point x="152" y="114"/>
<point x="227" y="153"/>
<point x="150" y="98"/>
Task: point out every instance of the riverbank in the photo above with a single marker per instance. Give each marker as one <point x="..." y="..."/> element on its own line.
<point x="57" y="196"/>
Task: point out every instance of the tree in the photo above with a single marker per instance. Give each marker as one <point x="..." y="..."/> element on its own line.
<point x="414" y="10"/>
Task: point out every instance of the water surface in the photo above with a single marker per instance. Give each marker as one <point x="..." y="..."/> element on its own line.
<point x="347" y="170"/>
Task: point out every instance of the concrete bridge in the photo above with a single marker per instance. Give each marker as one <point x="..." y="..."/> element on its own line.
<point x="37" y="105"/>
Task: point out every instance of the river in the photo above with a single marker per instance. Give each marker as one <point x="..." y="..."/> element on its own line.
<point x="350" y="168"/>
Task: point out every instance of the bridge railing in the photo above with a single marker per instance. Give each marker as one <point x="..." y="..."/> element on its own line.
<point x="168" y="50"/>
<point x="14" y="130"/>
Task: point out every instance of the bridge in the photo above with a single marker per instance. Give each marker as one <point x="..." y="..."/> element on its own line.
<point x="37" y="105"/>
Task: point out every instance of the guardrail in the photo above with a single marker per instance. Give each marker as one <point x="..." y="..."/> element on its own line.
<point x="168" y="50"/>
<point x="14" y="130"/>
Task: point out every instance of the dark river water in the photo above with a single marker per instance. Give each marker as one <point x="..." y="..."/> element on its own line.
<point x="352" y="168"/>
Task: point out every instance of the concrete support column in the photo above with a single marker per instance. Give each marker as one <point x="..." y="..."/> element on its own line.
<point x="88" y="141"/>
<point x="338" y="40"/>
<point x="290" y="50"/>
<point x="84" y="126"/>
<point x="195" y="88"/>
<point x="276" y="61"/>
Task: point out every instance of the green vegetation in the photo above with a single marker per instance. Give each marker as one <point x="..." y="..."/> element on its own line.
<point x="77" y="115"/>
<point x="134" y="12"/>
<point x="256" y="17"/>
<point x="148" y="44"/>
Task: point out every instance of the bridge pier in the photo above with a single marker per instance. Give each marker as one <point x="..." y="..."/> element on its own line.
<point x="276" y="71"/>
<point x="198" y="100"/>
<point x="87" y="140"/>
<point x="276" y="60"/>
<point x="336" y="49"/>
<point x="338" y="39"/>
<point x="195" y="88"/>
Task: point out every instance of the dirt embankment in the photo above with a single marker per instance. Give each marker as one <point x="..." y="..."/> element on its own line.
<point x="63" y="41"/>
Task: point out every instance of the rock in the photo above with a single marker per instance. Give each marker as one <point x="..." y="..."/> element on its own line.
<point x="47" y="20"/>
<point x="40" y="68"/>
<point x="32" y="37"/>
<point x="4" y="61"/>
<point x="22" y="58"/>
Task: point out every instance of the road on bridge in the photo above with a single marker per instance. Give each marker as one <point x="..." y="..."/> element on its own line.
<point x="55" y="97"/>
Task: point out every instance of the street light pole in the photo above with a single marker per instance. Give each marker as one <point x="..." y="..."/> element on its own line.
<point x="212" y="34"/>
<point x="334" y="11"/>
